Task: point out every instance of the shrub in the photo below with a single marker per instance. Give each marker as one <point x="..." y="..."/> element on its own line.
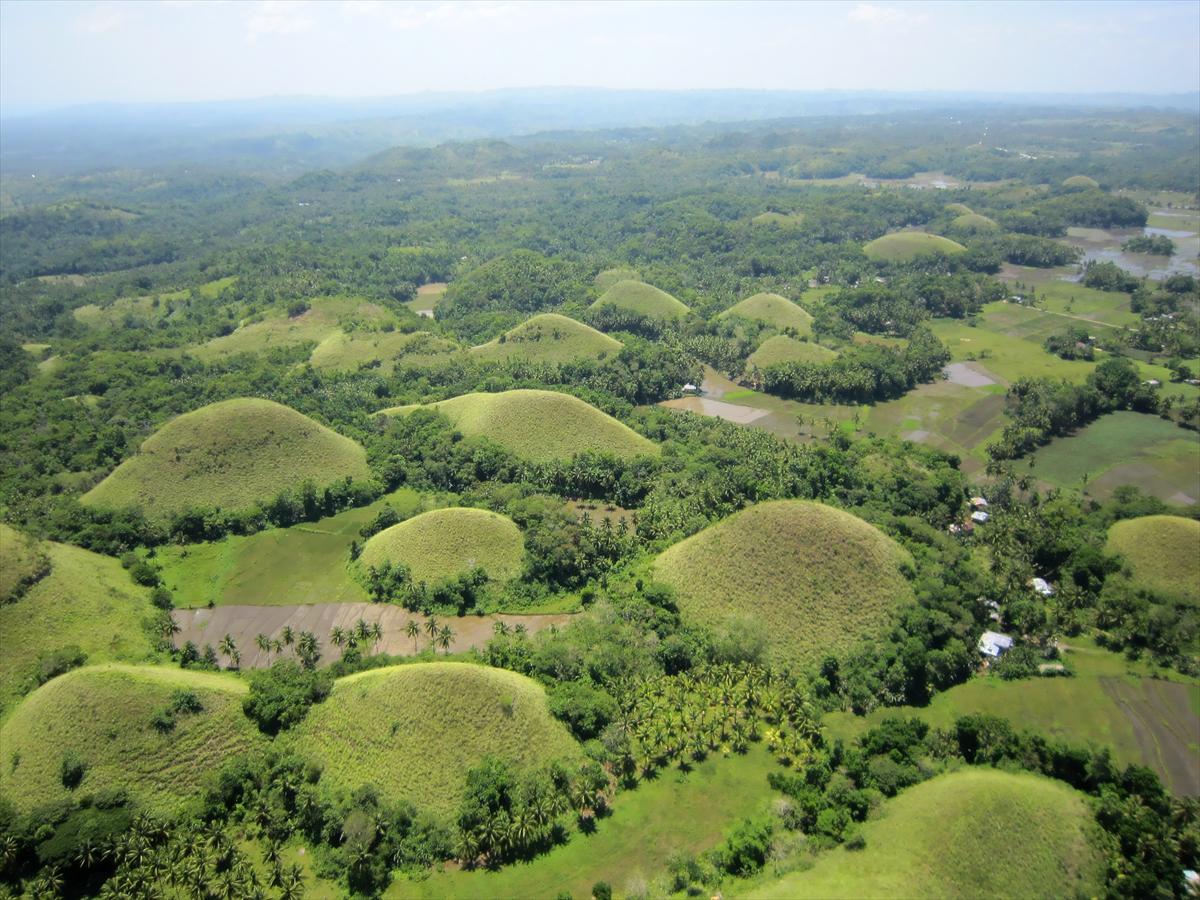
<point x="51" y="665"/>
<point x="73" y="769"/>
<point x="601" y="890"/>
<point x="281" y="695"/>
<point x="585" y="709"/>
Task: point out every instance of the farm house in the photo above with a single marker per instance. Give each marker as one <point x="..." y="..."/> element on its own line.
<point x="994" y="644"/>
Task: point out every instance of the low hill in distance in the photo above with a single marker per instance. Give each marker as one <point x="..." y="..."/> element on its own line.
<point x="540" y="425"/>
<point x="817" y="578"/>
<point x="783" y="348"/>
<point x="1081" y="183"/>
<point x="231" y="455"/>
<point x="776" y="311"/>
<point x="105" y="715"/>
<point x="959" y="209"/>
<point x="977" y="832"/>
<point x="974" y="222"/>
<point x="414" y="731"/>
<point x="642" y="299"/>
<point x="1163" y="553"/>
<point x="904" y="246"/>
<point x="391" y="349"/>
<point x="443" y="543"/>
<point x="549" y="338"/>
<point x="778" y="219"/>
<point x="606" y="279"/>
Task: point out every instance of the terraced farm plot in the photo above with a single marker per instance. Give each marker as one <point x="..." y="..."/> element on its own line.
<point x="390" y="349"/>
<point x="549" y="338"/>
<point x="1163" y="554"/>
<point x="904" y="246"/>
<point x="445" y="543"/>
<point x="774" y="310"/>
<point x="977" y="832"/>
<point x="642" y="299"/>
<point x="232" y="455"/>
<point x="817" y="578"/>
<point x="105" y="714"/>
<point x="414" y="731"/>
<point x="540" y="425"/>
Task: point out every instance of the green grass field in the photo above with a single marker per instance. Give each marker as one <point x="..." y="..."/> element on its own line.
<point x="87" y="600"/>
<point x="1163" y="554"/>
<point x="606" y="279"/>
<point x="103" y="713"/>
<point x="414" y="731"/>
<point x="817" y="578"/>
<point x="973" y="222"/>
<point x="22" y="562"/>
<point x="903" y="246"/>
<point x="677" y="812"/>
<point x="231" y="455"/>
<point x="643" y="299"/>
<point x="776" y="311"/>
<point x="976" y="832"/>
<point x="1094" y="308"/>
<point x="782" y="348"/>
<point x="278" y="567"/>
<point x="428" y="297"/>
<point x="391" y="349"/>
<point x="1008" y="357"/>
<point x="444" y="543"/>
<point x="549" y="338"/>
<point x="540" y="425"/>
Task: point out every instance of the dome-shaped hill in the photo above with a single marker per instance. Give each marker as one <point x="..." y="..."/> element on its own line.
<point x="606" y="279"/>
<point x="106" y="715"/>
<point x="22" y="563"/>
<point x="959" y="209"/>
<point x="903" y="246"/>
<point x="642" y="299"/>
<point x="444" y="543"/>
<point x="819" y="579"/>
<point x="783" y="349"/>
<point x="414" y="731"/>
<point x="778" y="219"/>
<point x="1163" y="554"/>
<point x="776" y="311"/>
<point x="231" y="455"/>
<point x="977" y="832"/>
<point x="391" y="349"/>
<point x="973" y="222"/>
<point x="540" y="425"/>
<point x="550" y="338"/>
<point x="1081" y="183"/>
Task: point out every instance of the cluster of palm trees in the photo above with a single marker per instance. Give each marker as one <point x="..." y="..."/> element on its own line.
<point x="359" y="633"/>
<point x="439" y="635"/>
<point x="307" y="647"/>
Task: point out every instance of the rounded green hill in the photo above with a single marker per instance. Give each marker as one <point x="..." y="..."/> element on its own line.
<point x="106" y="716"/>
<point x="958" y="209"/>
<point x="540" y="425"/>
<point x="606" y="279"/>
<point x="903" y="246"/>
<point x="391" y="349"/>
<point x="776" y="311"/>
<point x="415" y="731"/>
<point x="549" y="338"/>
<point x="642" y="299"/>
<point x="817" y="578"/>
<point x="230" y="455"/>
<point x="1081" y="183"/>
<point x="22" y="563"/>
<point x="977" y="832"/>
<point x="784" y="349"/>
<point x="973" y="222"/>
<point x="1163" y="555"/>
<point x="444" y="543"/>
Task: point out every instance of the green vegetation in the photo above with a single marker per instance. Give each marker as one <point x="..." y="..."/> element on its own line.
<point x="606" y="279"/>
<point x="1081" y="183"/>
<point x="107" y="717"/>
<point x="444" y="543"/>
<point x="388" y="349"/>
<point x="905" y="246"/>
<point x="641" y="299"/>
<point x="540" y="425"/>
<point x="414" y="731"/>
<point x="775" y="311"/>
<point x="972" y="832"/>
<point x="778" y="219"/>
<point x="816" y="580"/>
<point x="549" y="338"/>
<point x="231" y="455"/>
<point x="22" y="564"/>
<point x="784" y="349"/>
<point x="1163" y="554"/>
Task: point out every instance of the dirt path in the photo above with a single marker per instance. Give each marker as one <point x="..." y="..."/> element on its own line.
<point x="245" y="623"/>
<point x="1166" y="728"/>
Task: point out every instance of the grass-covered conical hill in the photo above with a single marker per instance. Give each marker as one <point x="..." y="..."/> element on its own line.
<point x="1081" y="183"/>
<point x="109" y="718"/>
<point x="973" y="222"/>
<point x="231" y="455"/>
<point x="540" y="425"/>
<point x="22" y="563"/>
<point x="977" y="832"/>
<point x="414" y="731"/>
<point x="443" y="543"/>
<point x="1162" y="553"/>
<point x="642" y="299"/>
<point x="549" y="338"/>
<point x="783" y="349"/>
<point x="904" y="246"/>
<point x="774" y="310"/>
<point x="816" y="578"/>
<point x="607" y="278"/>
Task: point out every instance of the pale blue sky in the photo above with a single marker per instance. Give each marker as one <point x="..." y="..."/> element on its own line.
<point x="76" y="51"/>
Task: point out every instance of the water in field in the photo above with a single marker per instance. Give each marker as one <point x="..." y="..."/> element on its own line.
<point x="1104" y="245"/>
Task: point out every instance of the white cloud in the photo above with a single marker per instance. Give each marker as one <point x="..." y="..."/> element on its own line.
<point x="278" y="17"/>
<point x="875" y="16"/>
<point x="101" y="19"/>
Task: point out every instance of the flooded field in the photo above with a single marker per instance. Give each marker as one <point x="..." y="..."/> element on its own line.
<point x="730" y="412"/>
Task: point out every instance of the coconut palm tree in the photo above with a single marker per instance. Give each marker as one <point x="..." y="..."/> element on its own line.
<point x="228" y="646"/>
<point x="445" y="638"/>
<point x="362" y="630"/>
<point x="431" y="627"/>
<point x="264" y="644"/>
<point x="412" y="629"/>
<point x="289" y="636"/>
<point x="338" y="636"/>
<point x="376" y="636"/>
<point x="499" y="628"/>
<point x="292" y="884"/>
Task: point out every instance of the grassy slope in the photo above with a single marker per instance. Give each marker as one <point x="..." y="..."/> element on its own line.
<point x="816" y="577"/>
<point x="906" y="245"/>
<point x="782" y="348"/>
<point x="1163" y="552"/>
<point x="540" y="425"/>
<point x="277" y="329"/>
<point x="21" y="561"/>
<point x="392" y="349"/>
<point x="971" y="833"/>
<point x="676" y="812"/>
<point x="443" y="543"/>
<point x="1081" y="181"/>
<point x="644" y="299"/>
<point x="606" y="279"/>
<point x="974" y="222"/>
<point x="549" y="338"/>
<point x="778" y="312"/>
<point x="414" y="731"/>
<point x="278" y="567"/>
<point x="143" y="309"/>
<point x="103" y="713"/>
<point x="87" y="600"/>
<point x="232" y="455"/>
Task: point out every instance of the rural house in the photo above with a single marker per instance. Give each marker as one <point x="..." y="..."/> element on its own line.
<point x="994" y="644"/>
<point x="1041" y="586"/>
